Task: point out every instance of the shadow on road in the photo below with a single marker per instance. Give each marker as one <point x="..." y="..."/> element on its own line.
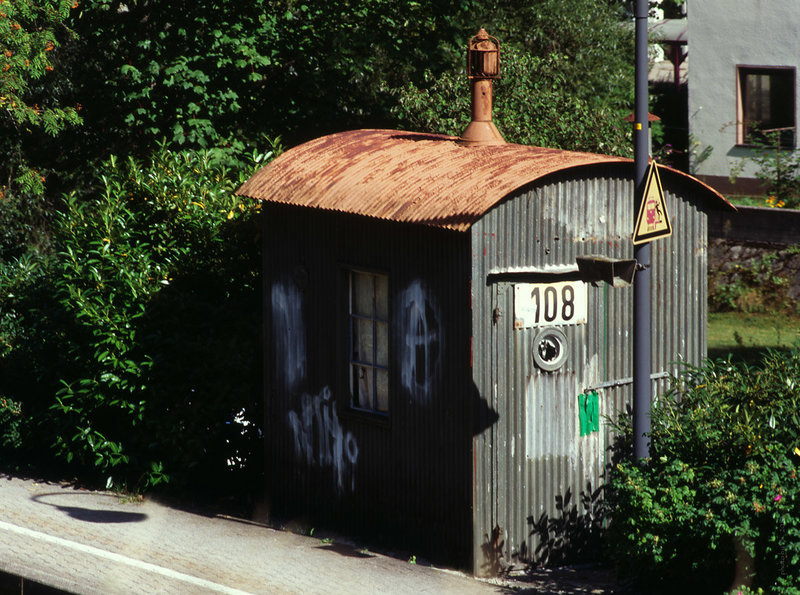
<point x="90" y="515"/>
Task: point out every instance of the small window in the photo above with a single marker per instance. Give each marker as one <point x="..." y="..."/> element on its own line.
<point x="369" y="341"/>
<point x="766" y="106"/>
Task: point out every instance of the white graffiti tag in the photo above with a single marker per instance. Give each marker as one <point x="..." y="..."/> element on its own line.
<point x="420" y="341"/>
<point x="333" y="448"/>
<point x="290" y="335"/>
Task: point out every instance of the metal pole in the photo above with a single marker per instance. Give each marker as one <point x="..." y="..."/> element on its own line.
<point x="641" y="285"/>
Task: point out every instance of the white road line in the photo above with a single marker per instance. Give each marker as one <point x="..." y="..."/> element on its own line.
<point x="88" y="549"/>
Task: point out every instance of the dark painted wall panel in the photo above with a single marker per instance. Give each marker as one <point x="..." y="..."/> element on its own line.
<point x="407" y="474"/>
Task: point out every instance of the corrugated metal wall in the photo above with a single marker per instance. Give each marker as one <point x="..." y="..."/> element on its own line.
<point x="463" y="452"/>
<point x="406" y="476"/>
<point x="533" y="455"/>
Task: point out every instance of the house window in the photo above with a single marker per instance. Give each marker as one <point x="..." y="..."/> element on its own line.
<point x="369" y="341"/>
<point x="766" y="106"/>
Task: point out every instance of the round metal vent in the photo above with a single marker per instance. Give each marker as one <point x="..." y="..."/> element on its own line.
<point x="550" y="349"/>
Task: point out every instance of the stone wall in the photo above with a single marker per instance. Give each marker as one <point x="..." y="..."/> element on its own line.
<point x="756" y="246"/>
<point x="731" y="262"/>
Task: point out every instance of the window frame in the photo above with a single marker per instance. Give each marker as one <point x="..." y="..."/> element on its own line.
<point x="374" y="320"/>
<point x="743" y="138"/>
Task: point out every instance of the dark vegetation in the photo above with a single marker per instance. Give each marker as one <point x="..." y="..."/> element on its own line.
<point x="752" y="301"/>
<point x="717" y="504"/>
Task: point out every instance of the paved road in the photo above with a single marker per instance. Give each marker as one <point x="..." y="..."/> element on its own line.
<point x="92" y="542"/>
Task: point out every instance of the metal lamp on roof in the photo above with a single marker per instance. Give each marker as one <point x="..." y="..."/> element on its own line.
<point x="483" y="66"/>
<point x="483" y="53"/>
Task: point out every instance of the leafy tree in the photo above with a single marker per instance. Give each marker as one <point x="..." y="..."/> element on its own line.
<point x="567" y="78"/>
<point x="219" y="75"/>
<point x="588" y="33"/>
<point x="31" y="35"/>
<point x="532" y="107"/>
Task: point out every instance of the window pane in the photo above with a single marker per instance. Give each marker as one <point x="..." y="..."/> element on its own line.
<point x="757" y="103"/>
<point x="382" y="330"/>
<point x="362" y="340"/>
<point x="768" y="100"/>
<point x="369" y="337"/>
<point x="383" y="390"/>
<point x="362" y="387"/>
<point x="382" y="296"/>
<point x="782" y="107"/>
<point x="363" y="293"/>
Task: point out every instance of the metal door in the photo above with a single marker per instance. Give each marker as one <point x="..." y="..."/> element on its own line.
<point x="547" y="447"/>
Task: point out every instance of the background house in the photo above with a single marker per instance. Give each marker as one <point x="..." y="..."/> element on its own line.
<point x="743" y="80"/>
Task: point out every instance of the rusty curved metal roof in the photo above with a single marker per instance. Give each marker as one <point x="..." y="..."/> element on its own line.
<point x="407" y="176"/>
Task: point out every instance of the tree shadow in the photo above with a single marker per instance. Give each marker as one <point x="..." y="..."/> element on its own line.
<point x="573" y="536"/>
<point x="494" y="561"/>
<point x="575" y="533"/>
<point x="91" y="515"/>
<point x="345" y="550"/>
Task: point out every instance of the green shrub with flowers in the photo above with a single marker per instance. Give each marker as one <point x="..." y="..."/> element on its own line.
<point x="778" y="167"/>
<point x="717" y="505"/>
<point x="130" y="349"/>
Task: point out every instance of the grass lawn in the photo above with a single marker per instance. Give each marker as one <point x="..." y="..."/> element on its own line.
<point x="747" y="335"/>
<point x="747" y="201"/>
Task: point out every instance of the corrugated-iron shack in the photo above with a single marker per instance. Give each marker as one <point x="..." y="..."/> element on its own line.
<point x="437" y="365"/>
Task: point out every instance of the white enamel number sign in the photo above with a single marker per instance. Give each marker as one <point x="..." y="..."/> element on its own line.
<point x="550" y="304"/>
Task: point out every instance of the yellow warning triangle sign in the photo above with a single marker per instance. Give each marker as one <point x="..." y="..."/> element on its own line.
<point x="652" y="220"/>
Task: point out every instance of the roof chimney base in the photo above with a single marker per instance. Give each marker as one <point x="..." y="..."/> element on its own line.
<point x="481" y="133"/>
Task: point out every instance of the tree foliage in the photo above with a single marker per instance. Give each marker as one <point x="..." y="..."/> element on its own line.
<point x="719" y="495"/>
<point x="31" y="37"/>
<point x="30" y="33"/>
<point x="532" y="107"/>
<point x="205" y="75"/>
<point x="567" y="78"/>
<point x="133" y="348"/>
<point x="589" y="35"/>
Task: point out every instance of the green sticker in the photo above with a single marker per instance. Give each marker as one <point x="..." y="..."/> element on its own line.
<point x="589" y="412"/>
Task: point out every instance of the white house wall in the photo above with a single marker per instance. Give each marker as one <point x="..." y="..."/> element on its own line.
<point x="724" y="34"/>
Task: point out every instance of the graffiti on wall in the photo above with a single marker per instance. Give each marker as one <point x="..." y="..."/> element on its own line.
<point x="320" y="440"/>
<point x="290" y="335"/>
<point x="420" y="340"/>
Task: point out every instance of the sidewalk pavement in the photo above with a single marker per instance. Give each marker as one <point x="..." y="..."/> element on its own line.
<point x="93" y="542"/>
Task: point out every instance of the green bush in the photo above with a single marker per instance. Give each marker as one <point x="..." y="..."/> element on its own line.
<point x="134" y="355"/>
<point x="719" y="496"/>
<point x="779" y="169"/>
